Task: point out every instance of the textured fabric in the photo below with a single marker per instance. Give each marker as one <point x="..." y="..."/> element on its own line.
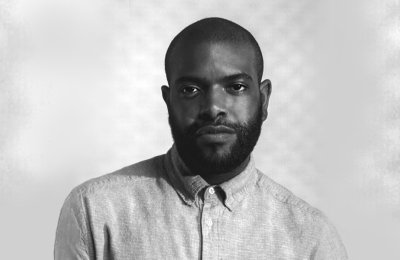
<point x="153" y="210"/>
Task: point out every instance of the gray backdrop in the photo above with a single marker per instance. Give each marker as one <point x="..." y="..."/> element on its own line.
<point x="80" y="97"/>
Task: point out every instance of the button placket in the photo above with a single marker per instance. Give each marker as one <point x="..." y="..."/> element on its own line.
<point x="208" y="222"/>
<point x="210" y="196"/>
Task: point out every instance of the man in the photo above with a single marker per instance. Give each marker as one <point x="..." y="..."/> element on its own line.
<point x="204" y="199"/>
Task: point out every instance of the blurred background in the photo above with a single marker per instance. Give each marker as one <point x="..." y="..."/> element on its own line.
<point x="80" y="97"/>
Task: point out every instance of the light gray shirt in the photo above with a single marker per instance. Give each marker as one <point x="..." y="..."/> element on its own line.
<point x="154" y="210"/>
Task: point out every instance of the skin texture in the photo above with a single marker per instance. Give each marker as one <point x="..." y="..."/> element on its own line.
<point x="215" y="84"/>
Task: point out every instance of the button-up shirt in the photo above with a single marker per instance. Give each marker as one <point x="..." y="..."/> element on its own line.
<point x="156" y="210"/>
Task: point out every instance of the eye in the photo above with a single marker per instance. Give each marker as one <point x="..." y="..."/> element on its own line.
<point x="189" y="91"/>
<point x="237" y="87"/>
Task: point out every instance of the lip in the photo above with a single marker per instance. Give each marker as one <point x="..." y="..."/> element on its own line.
<point x="214" y="130"/>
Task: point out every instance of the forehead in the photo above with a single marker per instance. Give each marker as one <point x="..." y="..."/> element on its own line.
<point x="212" y="61"/>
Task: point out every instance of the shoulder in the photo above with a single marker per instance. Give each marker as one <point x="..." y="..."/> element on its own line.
<point x="291" y="205"/>
<point x="138" y="173"/>
<point x="309" y="221"/>
<point x="283" y="195"/>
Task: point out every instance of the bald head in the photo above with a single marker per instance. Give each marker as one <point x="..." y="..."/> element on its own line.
<point x="213" y="30"/>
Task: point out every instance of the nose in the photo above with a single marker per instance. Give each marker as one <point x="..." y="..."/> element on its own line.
<point x="213" y="104"/>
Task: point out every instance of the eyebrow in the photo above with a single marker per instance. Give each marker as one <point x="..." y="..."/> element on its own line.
<point x="204" y="81"/>
<point x="237" y="77"/>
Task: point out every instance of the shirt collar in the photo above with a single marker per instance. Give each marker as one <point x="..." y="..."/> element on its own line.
<point x="240" y="186"/>
<point x="188" y="186"/>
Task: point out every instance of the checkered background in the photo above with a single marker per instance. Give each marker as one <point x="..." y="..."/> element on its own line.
<point x="80" y="97"/>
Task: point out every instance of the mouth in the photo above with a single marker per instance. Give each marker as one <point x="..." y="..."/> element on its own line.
<point x="215" y="134"/>
<point x="214" y="130"/>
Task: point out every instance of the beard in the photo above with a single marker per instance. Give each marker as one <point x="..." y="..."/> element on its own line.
<point x="247" y="134"/>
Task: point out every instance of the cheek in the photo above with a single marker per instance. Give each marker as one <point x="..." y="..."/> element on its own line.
<point x="243" y="109"/>
<point x="184" y="113"/>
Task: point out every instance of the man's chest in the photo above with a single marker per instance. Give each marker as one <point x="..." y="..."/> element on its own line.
<point x="171" y="229"/>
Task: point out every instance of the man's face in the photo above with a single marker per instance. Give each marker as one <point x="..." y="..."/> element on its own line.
<point x="214" y="104"/>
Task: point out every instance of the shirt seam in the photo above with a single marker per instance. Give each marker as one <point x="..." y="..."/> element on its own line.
<point x="221" y="215"/>
<point x="287" y="197"/>
<point x="82" y="214"/>
<point x="95" y="184"/>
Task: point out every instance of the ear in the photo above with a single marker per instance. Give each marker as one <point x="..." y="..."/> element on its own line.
<point x="165" y="94"/>
<point x="265" y="91"/>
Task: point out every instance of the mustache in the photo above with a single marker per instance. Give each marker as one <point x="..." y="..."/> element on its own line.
<point x="214" y="127"/>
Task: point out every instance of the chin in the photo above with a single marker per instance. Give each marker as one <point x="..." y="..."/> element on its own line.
<point x="215" y="152"/>
<point x="216" y="157"/>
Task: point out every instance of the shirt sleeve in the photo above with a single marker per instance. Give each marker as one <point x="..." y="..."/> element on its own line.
<point x="330" y="245"/>
<point x="72" y="235"/>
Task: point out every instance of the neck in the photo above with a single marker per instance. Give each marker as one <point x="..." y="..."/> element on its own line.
<point x="214" y="179"/>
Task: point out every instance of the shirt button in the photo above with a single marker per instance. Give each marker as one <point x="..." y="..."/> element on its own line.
<point x="211" y="191"/>
<point x="209" y="222"/>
